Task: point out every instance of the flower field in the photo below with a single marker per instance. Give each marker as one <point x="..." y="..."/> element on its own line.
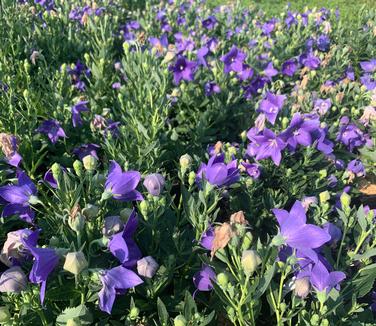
<point x="170" y="163"/>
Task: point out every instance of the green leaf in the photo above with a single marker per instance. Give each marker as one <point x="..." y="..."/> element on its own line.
<point x="265" y="281"/>
<point x="366" y="255"/>
<point x="80" y="313"/>
<point x="162" y="312"/>
<point x="363" y="284"/>
<point x="190" y="307"/>
<point x="362" y="220"/>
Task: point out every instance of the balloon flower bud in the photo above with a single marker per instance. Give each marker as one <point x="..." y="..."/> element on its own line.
<point x="144" y="208"/>
<point x="222" y="279"/>
<point x="301" y="287"/>
<point x="90" y="211"/>
<point x="247" y="241"/>
<point x="90" y="163"/>
<point x="75" y="262"/>
<point x="56" y="170"/>
<point x="77" y="166"/>
<point x="4" y="315"/>
<point x="345" y="200"/>
<point x="112" y="225"/>
<point x="76" y="222"/>
<point x="13" y="280"/>
<point x="154" y="183"/>
<point x="180" y="321"/>
<point x="250" y="261"/>
<point x="191" y="178"/>
<point x="185" y="162"/>
<point x="147" y="267"/>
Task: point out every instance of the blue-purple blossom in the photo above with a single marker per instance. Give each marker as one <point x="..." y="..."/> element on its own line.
<point x="122" y="246"/>
<point x="294" y="230"/>
<point x="203" y="279"/>
<point x="18" y="198"/>
<point x="323" y="280"/>
<point x="350" y="135"/>
<point x="266" y="145"/>
<point x="289" y="67"/>
<point x="209" y="23"/>
<point x="323" y="43"/>
<point x="45" y="261"/>
<point x="253" y="169"/>
<point x="52" y="129"/>
<point x="368" y="66"/>
<point x="322" y="106"/>
<point x="233" y="60"/>
<point x="357" y="168"/>
<point x="217" y="172"/>
<point x="207" y="238"/>
<point x="271" y="105"/>
<point x="122" y="185"/>
<point x="85" y="150"/>
<point x="79" y="107"/>
<point x="115" y="281"/>
<point x="183" y="69"/>
<point x="211" y="88"/>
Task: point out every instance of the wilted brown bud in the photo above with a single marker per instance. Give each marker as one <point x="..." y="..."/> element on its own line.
<point x="98" y="123"/>
<point x="34" y="57"/>
<point x="238" y="218"/>
<point x="218" y="147"/>
<point x="8" y="143"/>
<point x="222" y="236"/>
<point x="84" y="19"/>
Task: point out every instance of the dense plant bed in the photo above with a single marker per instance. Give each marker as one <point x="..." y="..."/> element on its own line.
<point x="173" y="164"/>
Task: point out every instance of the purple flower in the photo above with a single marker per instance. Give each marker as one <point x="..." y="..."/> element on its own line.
<point x="233" y="60"/>
<point x="323" y="280"/>
<point x="310" y="61"/>
<point x="271" y="105"/>
<point x="207" y="238"/>
<point x="45" y="261"/>
<point x="217" y="172"/>
<point x="253" y="170"/>
<point x="289" y="67"/>
<point x="368" y="81"/>
<point x="183" y="70"/>
<point x="52" y="129"/>
<point x="203" y="279"/>
<point x="115" y="281"/>
<point x="81" y="106"/>
<point x="122" y="185"/>
<point x="368" y="66"/>
<point x="202" y="53"/>
<point x="323" y="43"/>
<point x="49" y="178"/>
<point x="300" y="131"/>
<point x="322" y="106"/>
<point x="9" y="146"/>
<point x="334" y="232"/>
<point x="270" y="71"/>
<point x="294" y="230"/>
<point x="209" y="23"/>
<point x="356" y="167"/>
<point x="122" y="246"/>
<point x="266" y="145"/>
<point x="85" y="150"/>
<point x="211" y="88"/>
<point x="18" y="198"/>
<point x="350" y="135"/>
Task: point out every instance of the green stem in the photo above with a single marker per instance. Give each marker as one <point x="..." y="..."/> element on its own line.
<point x="42" y="317"/>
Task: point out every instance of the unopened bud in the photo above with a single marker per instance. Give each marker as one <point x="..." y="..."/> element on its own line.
<point x="133" y="314"/>
<point x="185" y="162"/>
<point x="77" y="166"/>
<point x="56" y="170"/>
<point x="285" y="122"/>
<point x="147" y="267"/>
<point x="13" y="280"/>
<point x="76" y="221"/>
<point x="75" y="262"/>
<point x="250" y="261"/>
<point x="247" y="241"/>
<point x="180" y="321"/>
<point x="345" y="200"/>
<point x="154" y="183"/>
<point x="301" y="287"/>
<point x="144" y="208"/>
<point x="222" y="279"/>
<point x="191" y="178"/>
<point x="4" y="314"/>
<point x="324" y="196"/>
<point x="90" y="211"/>
<point x="90" y="163"/>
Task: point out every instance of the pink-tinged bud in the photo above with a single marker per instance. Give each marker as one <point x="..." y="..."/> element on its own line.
<point x="154" y="183"/>
<point x="12" y="248"/>
<point x="301" y="287"/>
<point x="147" y="267"/>
<point x="112" y="225"/>
<point x="13" y="280"/>
<point x="308" y="201"/>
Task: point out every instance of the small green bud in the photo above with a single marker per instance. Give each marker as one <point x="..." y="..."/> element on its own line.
<point x="90" y="211"/>
<point x="250" y="261"/>
<point x="185" y="161"/>
<point x="77" y="166"/>
<point x="87" y="57"/>
<point x="324" y="322"/>
<point x="288" y="172"/>
<point x="334" y="108"/>
<point x="75" y="262"/>
<point x="247" y="241"/>
<point x="315" y="319"/>
<point x="56" y="170"/>
<point x="243" y="136"/>
<point x="324" y="196"/>
<point x="285" y="122"/>
<point x="249" y="182"/>
<point x="144" y="208"/>
<point x="133" y="314"/>
<point x="4" y="314"/>
<point x="191" y="178"/>
<point x="222" y="279"/>
<point x="345" y="200"/>
<point x="76" y="222"/>
<point x="90" y="163"/>
<point x="126" y="47"/>
<point x="26" y="93"/>
<point x="180" y="321"/>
